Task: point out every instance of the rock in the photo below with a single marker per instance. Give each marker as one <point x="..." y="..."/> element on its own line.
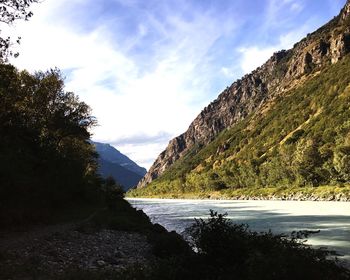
<point x="255" y="91"/>
<point x="119" y="254"/>
<point x="105" y="249"/>
<point x="157" y="228"/>
<point x="101" y="263"/>
<point x="346" y="11"/>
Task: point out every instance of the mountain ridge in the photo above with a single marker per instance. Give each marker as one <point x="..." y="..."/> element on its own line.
<point x="111" y="154"/>
<point x="113" y="163"/>
<point x="255" y="92"/>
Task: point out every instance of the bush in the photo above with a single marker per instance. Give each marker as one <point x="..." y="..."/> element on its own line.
<point x="113" y="192"/>
<point x="223" y="250"/>
<point x="168" y="244"/>
<point x="227" y="249"/>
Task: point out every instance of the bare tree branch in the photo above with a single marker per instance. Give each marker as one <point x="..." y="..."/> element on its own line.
<point x="10" y="11"/>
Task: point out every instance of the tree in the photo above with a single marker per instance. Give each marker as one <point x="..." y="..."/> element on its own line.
<point x="113" y="192"/>
<point x="308" y="162"/>
<point x="11" y="10"/>
<point x="46" y="158"/>
<point x="342" y="163"/>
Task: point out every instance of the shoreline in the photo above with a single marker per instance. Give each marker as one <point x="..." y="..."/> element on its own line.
<point x="228" y="199"/>
<point x="322" y="193"/>
<point x="234" y="199"/>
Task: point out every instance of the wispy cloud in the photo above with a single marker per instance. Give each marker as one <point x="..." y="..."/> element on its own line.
<point x="137" y="83"/>
<point x="147" y="68"/>
<point x="276" y="11"/>
<point x="254" y="56"/>
<point x="160" y="137"/>
<point x="258" y="52"/>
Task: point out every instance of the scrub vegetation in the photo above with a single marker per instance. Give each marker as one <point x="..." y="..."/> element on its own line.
<point x="301" y="143"/>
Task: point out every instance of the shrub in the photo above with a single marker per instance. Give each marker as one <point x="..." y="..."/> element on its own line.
<point x="113" y="192"/>
<point x="229" y="249"/>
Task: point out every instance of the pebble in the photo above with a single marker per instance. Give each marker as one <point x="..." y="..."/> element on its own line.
<point x="57" y="253"/>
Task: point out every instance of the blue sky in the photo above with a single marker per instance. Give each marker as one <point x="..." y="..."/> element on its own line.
<point x="148" y="67"/>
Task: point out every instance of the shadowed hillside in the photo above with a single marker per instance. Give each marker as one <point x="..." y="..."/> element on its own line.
<point x="113" y="163"/>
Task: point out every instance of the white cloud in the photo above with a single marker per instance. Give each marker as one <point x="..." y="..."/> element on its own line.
<point x="145" y="153"/>
<point x="228" y="72"/>
<point x="296" y="7"/>
<point x="276" y="15"/>
<point x="126" y="99"/>
<point x="151" y="75"/>
<point x="255" y="56"/>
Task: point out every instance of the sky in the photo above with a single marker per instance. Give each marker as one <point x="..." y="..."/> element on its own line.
<point x="148" y="67"/>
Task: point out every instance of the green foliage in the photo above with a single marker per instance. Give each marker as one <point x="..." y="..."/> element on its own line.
<point x="301" y="141"/>
<point x="113" y="192"/>
<point x="229" y="249"/>
<point x="342" y="163"/>
<point x="168" y="244"/>
<point x="121" y="216"/>
<point x="223" y="250"/>
<point x="220" y="250"/>
<point x="46" y="159"/>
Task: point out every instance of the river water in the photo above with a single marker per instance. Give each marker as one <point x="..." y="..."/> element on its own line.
<point x="331" y="218"/>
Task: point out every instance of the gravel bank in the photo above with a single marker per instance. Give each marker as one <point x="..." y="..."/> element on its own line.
<point x="55" y="252"/>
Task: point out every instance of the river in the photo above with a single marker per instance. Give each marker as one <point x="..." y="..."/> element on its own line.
<point x="331" y="218"/>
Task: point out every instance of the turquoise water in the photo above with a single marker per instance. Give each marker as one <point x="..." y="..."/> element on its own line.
<point x="331" y="218"/>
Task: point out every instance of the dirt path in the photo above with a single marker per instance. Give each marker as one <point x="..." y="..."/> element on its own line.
<point x="13" y="239"/>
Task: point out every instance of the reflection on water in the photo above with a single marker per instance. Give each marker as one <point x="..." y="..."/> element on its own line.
<point x="331" y="218"/>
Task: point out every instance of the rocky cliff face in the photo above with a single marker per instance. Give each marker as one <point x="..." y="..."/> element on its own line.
<point x="283" y="71"/>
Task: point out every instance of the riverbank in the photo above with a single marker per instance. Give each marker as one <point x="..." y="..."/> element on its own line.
<point x="120" y="242"/>
<point x="321" y="193"/>
<point x="72" y="253"/>
<point x="328" y="218"/>
<point x="113" y="243"/>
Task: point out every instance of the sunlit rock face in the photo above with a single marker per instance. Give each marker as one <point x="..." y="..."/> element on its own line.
<point x="346" y="11"/>
<point x="254" y="92"/>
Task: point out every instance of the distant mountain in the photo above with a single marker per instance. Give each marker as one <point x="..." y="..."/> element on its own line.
<point x="285" y="124"/>
<point x="120" y="167"/>
<point x="112" y="155"/>
<point x="122" y="175"/>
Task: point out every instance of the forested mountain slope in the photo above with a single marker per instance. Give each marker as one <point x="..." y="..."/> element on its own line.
<point x="285" y="124"/>
<point x="304" y="139"/>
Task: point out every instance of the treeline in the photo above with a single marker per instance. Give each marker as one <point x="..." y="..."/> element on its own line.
<point x="46" y="160"/>
<point x="303" y="140"/>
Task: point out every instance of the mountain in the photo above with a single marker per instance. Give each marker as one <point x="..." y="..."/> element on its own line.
<point x="120" y="167"/>
<point x="111" y="154"/>
<point x="123" y="176"/>
<point x="279" y="117"/>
